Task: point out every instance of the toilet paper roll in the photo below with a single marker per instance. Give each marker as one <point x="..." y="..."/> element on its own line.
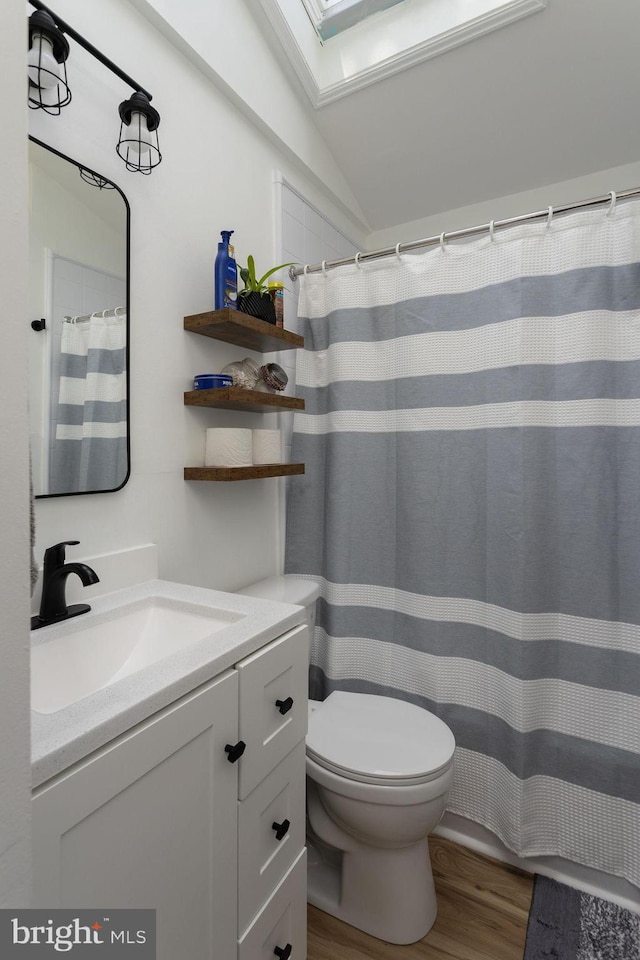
<point x="227" y="447"/>
<point x="266" y="446"/>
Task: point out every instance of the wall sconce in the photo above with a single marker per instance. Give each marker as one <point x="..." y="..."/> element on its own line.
<point x="49" y="91"/>
<point x="48" y="51"/>
<point x="138" y="144"/>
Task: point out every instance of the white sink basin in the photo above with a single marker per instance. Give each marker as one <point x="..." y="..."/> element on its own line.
<point x="86" y="655"/>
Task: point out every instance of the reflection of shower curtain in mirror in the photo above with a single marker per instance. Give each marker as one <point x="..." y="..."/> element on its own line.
<point x="90" y="448"/>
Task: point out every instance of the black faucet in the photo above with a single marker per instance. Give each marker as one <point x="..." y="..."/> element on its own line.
<point x="53" y="606"/>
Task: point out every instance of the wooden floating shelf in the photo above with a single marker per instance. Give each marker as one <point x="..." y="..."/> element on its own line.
<point x="236" y="398"/>
<point x="261" y="472"/>
<point x="232" y="326"/>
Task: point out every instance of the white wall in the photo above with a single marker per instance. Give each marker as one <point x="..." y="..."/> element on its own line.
<point x="15" y="775"/>
<point x="217" y="173"/>
<point x="230" y="47"/>
<point x="555" y="194"/>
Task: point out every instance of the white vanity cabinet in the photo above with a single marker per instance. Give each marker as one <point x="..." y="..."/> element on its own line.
<point x="161" y="817"/>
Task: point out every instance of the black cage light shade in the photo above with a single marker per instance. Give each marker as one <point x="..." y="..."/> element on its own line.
<point x="138" y="143"/>
<point x="49" y="91"/>
<point x="47" y="71"/>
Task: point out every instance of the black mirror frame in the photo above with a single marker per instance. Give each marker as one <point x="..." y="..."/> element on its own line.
<point x="81" y="167"/>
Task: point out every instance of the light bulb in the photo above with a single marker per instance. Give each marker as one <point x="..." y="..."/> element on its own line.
<point x="44" y="69"/>
<point x="138" y="136"/>
<point x="138" y="142"/>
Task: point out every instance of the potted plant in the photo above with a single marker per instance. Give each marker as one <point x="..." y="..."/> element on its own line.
<point x="255" y="298"/>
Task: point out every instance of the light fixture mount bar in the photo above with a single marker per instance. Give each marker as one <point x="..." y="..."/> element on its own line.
<point x="109" y="64"/>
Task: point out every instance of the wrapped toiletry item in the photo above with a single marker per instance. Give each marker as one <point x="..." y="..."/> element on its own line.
<point x="266" y="446"/>
<point x="228" y="447"/>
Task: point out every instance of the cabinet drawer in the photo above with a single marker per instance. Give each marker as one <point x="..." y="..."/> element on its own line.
<point x="283" y="920"/>
<point x="264" y="859"/>
<point x="273" y="680"/>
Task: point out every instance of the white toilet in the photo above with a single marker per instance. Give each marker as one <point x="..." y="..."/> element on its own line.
<point x="378" y="773"/>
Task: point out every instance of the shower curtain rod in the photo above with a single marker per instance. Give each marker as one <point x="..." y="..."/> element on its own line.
<point x="611" y="197"/>
<point x="99" y="314"/>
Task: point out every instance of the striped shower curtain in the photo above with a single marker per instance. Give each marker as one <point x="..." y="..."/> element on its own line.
<point x="471" y="508"/>
<point x="90" y="428"/>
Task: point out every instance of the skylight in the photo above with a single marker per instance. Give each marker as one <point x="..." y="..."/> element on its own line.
<point x="334" y="56"/>
<point x="331" y="17"/>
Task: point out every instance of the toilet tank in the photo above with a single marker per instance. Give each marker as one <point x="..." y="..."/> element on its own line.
<point x="288" y="589"/>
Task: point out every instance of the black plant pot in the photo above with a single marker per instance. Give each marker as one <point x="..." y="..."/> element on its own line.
<point x="258" y="305"/>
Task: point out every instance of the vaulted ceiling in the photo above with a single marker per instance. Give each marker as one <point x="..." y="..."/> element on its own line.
<point x="551" y="97"/>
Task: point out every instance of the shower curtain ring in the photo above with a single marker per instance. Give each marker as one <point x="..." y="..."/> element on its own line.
<point x="492" y="229"/>
<point x="612" y="205"/>
<point x="306" y="269"/>
<point x="442" y="239"/>
<point x="398" y="251"/>
<point x="324" y="268"/>
<point x="549" y="217"/>
<point x="357" y="260"/>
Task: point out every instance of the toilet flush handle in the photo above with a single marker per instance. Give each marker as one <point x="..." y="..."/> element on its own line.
<point x="284" y="705"/>
<point x="283" y="952"/>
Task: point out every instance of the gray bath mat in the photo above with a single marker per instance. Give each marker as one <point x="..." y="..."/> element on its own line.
<point x="565" y="924"/>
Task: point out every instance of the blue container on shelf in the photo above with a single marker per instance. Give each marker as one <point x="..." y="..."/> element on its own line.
<point x="225" y="274"/>
<point x="209" y="381"/>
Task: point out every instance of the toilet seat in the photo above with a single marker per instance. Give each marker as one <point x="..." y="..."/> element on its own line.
<point x="378" y="740"/>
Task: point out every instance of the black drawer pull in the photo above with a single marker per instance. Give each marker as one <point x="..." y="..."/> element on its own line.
<point x="234" y="751"/>
<point x="284" y="705"/>
<point x="283" y="952"/>
<point x="280" y="829"/>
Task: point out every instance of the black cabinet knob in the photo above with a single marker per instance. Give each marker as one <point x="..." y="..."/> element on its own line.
<point x="280" y="828"/>
<point x="234" y="751"/>
<point x="283" y="952"/>
<point x="284" y="705"/>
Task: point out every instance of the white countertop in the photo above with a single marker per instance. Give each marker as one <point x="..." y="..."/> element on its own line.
<point x="61" y="739"/>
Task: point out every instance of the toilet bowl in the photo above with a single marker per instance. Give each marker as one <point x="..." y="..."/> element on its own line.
<point x="378" y="773"/>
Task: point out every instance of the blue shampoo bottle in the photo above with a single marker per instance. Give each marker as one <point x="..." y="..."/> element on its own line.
<point x="226" y="274"/>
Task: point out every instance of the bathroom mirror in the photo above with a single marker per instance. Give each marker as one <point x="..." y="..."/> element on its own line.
<point x="79" y="316"/>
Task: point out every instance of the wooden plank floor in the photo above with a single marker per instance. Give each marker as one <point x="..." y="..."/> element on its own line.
<point x="483" y="906"/>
